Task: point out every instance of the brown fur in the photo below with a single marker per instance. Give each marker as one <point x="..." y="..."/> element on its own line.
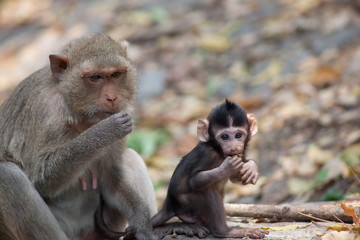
<point x="59" y="126"/>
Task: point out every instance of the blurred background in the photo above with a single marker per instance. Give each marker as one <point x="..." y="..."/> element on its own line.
<point x="294" y="64"/>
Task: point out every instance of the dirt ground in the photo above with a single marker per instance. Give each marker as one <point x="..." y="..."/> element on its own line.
<point x="307" y="231"/>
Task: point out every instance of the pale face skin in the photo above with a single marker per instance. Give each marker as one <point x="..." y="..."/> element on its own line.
<point x="232" y="140"/>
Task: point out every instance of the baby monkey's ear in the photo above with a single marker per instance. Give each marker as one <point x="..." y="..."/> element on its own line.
<point x="253" y="124"/>
<point x="202" y="130"/>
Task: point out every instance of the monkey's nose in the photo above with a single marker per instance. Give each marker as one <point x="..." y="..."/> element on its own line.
<point x="111" y="99"/>
<point x="234" y="151"/>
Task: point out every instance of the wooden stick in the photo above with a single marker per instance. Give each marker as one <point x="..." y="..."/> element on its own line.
<point x="327" y="211"/>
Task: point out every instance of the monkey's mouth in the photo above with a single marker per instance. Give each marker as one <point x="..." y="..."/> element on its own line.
<point x="236" y="154"/>
<point x="109" y="113"/>
<point x="104" y="114"/>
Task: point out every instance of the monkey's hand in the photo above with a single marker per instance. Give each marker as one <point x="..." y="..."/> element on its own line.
<point x="248" y="174"/>
<point x="119" y="125"/>
<point x="231" y="165"/>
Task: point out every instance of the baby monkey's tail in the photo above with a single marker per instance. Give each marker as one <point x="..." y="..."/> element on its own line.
<point x="162" y="216"/>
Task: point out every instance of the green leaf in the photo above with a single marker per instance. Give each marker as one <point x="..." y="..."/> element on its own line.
<point x="351" y="159"/>
<point x="213" y="86"/>
<point x="146" y="142"/>
<point x="159" y="14"/>
<point x="333" y="194"/>
<point x="159" y="185"/>
<point x="321" y="176"/>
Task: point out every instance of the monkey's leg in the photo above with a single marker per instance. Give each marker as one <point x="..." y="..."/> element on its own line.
<point x="217" y="221"/>
<point x="23" y="213"/>
<point x="135" y="201"/>
<point x="136" y="175"/>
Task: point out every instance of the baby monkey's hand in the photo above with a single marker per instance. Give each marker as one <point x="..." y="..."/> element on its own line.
<point x="231" y="165"/>
<point x="248" y="173"/>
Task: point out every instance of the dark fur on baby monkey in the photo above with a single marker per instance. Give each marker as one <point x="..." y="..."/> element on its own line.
<point x="196" y="189"/>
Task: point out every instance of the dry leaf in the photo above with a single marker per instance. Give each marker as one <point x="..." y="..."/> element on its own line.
<point x="350" y="212"/>
<point x="285" y="228"/>
<point x="339" y="236"/>
<point x="318" y="155"/>
<point x="338" y="227"/>
<point x="215" y="43"/>
<point x="324" y="76"/>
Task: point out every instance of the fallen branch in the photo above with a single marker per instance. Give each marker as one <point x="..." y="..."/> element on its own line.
<point x="327" y="211"/>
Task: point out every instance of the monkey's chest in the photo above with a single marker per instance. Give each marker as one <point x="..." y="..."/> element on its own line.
<point x="75" y="209"/>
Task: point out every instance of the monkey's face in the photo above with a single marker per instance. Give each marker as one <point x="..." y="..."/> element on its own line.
<point x="232" y="140"/>
<point x="102" y="90"/>
<point x="95" y="77"/>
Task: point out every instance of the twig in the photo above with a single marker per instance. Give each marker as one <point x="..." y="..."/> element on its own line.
<point x="352" y="171"/>
<point x="308" y="215"/>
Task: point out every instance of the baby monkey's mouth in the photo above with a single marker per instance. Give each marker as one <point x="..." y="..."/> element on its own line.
<point x="237" y="154"/>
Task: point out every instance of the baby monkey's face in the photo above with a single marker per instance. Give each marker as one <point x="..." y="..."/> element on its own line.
<point x="232" y="140"/>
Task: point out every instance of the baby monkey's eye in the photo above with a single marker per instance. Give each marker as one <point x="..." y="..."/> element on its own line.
<point x="238" y="135"/>
<point x="224" y="137"/>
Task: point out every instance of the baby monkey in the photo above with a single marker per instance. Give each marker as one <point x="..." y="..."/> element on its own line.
<point x="196" y="189"/>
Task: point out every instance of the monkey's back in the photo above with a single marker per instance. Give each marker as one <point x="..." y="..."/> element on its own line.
<point x="24" y="115"/>
<point x="201" y="158"/>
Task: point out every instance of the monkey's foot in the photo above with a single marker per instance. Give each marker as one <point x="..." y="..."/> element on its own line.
<point x="179" y="228"/>
<point x="255" y="233"/>
<point x="242" y="233"/>
<point x="132" y="233"/>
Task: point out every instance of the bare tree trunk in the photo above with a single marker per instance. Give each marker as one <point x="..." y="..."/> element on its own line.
<point x="329" y="211"/>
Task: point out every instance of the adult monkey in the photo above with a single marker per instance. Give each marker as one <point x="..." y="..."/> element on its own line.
<point x="66" y="122"/>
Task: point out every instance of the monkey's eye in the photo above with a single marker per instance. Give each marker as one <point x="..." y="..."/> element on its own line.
<point x="94" y="77"/>
<point x="238" y="135"/>
<point x="116" y="74"/>
<point x="224" y="137"/>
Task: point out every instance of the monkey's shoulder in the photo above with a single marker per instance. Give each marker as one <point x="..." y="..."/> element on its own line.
<point x="200" y="158"/>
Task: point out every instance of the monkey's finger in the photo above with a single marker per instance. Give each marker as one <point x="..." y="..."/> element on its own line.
<point x="248" y="179"/>
<point x="237" y="159"/>
<point x="122" y="114"/>
<point x="246" y="175"/>
<point x="255" y="178"/>
<point x="232" y="161"/>
<point x="127" y="124"/>
<point x="244" y="169"/>
<point x="126" y="119"/>
<point x="239" y="165"/>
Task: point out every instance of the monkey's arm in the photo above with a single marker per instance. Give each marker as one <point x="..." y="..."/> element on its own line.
<point x="66" y="163"/>
<point x="207" y="179"/>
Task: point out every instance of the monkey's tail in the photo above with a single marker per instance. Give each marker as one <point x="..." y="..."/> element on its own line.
<point x="102" y="227"/>
<point x="162" y="216"/>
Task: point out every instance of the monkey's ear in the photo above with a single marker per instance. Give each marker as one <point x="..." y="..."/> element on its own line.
<point x="58" y="64"/>
<point x="124" y="45"/>
<point x="202" y="130"/>
<point x="253" y="124"/>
